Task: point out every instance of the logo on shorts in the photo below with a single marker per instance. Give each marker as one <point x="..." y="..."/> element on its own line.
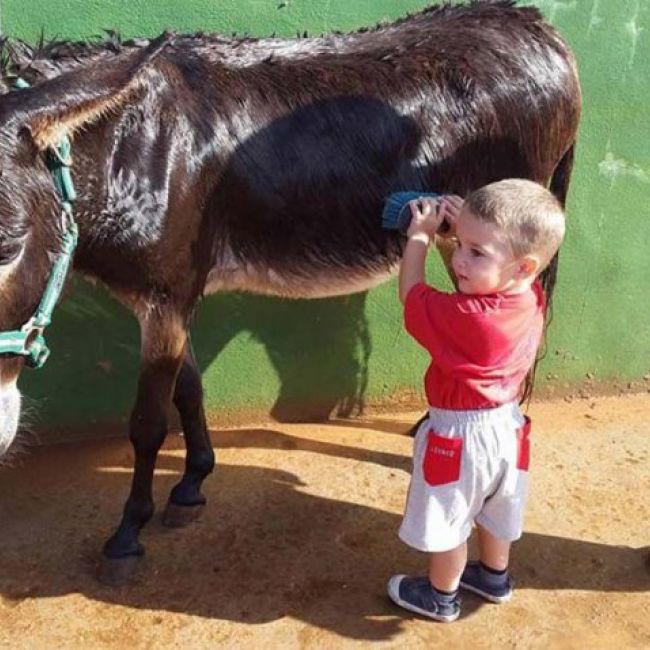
<point x="443" y="452"/>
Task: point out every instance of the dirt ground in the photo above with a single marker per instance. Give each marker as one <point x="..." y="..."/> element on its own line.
<point x="299" y="538"/>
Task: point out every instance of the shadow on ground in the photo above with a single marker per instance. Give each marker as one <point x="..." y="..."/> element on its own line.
<point x="265" y="548"/>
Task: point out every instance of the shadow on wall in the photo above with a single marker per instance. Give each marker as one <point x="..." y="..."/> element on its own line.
<point x="319" y="350"/>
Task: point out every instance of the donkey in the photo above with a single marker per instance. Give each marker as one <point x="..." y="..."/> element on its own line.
<point x="206" y="163"/>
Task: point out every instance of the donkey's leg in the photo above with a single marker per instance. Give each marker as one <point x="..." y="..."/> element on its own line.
<point x="163" y="341"/>
<point x="186" y="501"/>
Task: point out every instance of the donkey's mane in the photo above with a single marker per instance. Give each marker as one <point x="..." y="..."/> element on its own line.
<point x="51" y="57"/>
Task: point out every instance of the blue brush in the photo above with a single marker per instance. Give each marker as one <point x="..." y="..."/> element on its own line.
<point x="397" y="213"/>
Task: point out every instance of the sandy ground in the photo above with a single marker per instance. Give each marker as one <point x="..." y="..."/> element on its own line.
<point x="299" y="537"/>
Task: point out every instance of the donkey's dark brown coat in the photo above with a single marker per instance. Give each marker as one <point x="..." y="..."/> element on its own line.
<point x="207" y="163"/>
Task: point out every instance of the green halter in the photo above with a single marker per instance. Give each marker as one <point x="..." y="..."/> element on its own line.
<point x="28" y="341"/>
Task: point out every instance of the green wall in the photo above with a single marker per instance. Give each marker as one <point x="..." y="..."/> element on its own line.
<point x="333" y="355"/>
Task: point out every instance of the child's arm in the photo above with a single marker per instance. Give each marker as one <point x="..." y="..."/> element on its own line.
<point x="424" y="224"/>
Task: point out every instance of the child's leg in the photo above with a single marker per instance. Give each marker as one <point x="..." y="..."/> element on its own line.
<point x="489" y="578"/>
<point x="493" y="552"/>
<point x="446" y="568"/>
<point x="435" y="595"/>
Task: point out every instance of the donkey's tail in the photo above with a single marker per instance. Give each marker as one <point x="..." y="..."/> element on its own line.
<point x="559" y="186"/>
<point x="562" y="175"/>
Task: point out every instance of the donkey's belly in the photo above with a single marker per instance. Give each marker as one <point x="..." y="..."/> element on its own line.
<point x="306" y="283"/>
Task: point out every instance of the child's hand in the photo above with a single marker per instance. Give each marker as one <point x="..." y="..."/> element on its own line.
<point x="426" y="217"/>
<point x="450" y="207"/>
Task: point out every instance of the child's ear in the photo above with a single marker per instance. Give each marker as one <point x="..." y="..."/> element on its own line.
<point x="528" y="265"/>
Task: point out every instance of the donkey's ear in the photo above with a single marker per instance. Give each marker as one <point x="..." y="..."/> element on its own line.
<point x="58" y="106"/>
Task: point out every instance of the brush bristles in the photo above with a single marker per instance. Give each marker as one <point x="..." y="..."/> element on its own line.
<point x="397" y="214"/>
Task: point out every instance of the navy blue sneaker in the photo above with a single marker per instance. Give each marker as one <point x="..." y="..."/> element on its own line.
<point x="417" y="595"/>
<point x="493" y="587"/>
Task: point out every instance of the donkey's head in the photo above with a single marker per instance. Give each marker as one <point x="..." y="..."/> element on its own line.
<point x="33" y="225"/>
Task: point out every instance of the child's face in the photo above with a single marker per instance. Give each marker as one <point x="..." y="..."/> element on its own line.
<point x="483" y="260"/>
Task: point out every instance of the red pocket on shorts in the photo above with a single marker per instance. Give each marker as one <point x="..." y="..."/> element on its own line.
<point x="441" y="462"/>
<point x="523" y="445"/>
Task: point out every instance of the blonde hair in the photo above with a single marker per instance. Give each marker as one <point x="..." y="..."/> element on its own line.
<point x="529" y="216"/>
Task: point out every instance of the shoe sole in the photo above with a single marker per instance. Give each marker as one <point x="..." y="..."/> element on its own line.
<point x="393" y="594"/>
<point x="498" y="600"/>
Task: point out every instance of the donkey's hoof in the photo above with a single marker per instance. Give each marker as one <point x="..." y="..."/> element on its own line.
<point x="176" y="516"/>
<point x="115" y="572"/>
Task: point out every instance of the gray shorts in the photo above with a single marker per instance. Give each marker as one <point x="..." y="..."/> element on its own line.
<point x="468" y="466"/>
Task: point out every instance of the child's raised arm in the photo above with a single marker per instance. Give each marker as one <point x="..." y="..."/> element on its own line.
<point x="426" y="220"/>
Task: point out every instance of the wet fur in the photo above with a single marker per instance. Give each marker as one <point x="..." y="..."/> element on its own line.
<point x="305" y="137"/>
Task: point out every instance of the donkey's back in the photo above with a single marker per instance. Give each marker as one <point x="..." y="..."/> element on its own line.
<point x="313" y="134"/>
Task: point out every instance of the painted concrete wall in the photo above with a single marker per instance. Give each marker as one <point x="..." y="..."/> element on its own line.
<point x="278" y="356"/>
